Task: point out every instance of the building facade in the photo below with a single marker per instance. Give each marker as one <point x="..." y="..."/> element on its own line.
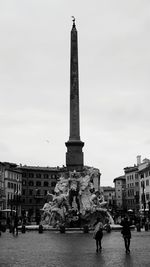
<point x="108" y="193"/>
<point x="11" y="184"/>
<point x="38" y="184"/>
<point x="137" y="185"/>
<point x="132" y="188"/>
<point x="2" y="186"/>
<point x="144" y="175"/>
<point x="120" y="193"/>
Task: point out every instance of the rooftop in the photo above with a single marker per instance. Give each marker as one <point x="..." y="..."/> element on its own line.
<point x="131" y="169"/>
<point x="119" y="178"/>
<point x="39" y="168"/>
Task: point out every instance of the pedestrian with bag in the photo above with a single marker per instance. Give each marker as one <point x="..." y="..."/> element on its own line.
<point x="98" y="234"/>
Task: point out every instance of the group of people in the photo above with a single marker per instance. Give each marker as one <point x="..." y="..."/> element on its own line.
<point x="126" y="234"/>
<point x="11" y="224"/>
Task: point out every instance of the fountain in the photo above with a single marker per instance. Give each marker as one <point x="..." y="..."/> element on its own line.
<point x="75" y="203"/>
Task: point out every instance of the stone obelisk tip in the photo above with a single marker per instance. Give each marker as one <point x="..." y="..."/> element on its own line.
<point x="73" y="19"/>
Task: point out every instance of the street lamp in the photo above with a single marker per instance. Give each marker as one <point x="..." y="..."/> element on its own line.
<point x="149" y="209"/>
<point x="136" y="198"/>
<point x="124" y="207"/>
<point x="10" y="203"/>
<point x="14" y="201"/>
<point x="143" y="196"/>
<point x="17" y="200"/>
<point x="37" y="198"/>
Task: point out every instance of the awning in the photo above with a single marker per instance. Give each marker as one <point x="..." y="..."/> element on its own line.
<point x="143" y="210"/>
<point x="8" y="210"/>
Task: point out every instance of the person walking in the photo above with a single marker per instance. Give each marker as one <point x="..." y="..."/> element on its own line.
<point x="8" y="222"/>
<point x="126" y="233"/>
<point x="15" y="225"/>
<point x="98" y="234"/>
<point x="0" y="228"/>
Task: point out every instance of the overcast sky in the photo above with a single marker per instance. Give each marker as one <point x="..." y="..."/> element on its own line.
<point x="114" y="81"/>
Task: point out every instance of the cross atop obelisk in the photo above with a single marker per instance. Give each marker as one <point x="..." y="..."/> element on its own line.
<point x="74" y="155"/>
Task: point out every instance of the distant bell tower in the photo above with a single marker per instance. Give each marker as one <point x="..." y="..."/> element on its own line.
<point x="74" y="155"/>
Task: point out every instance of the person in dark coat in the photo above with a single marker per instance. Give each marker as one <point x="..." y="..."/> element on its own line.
<point x="0" y="228"/>
<point x="98" y="234"/>
<point x="8" y="222"/>
<point x="15" y="225"/>
<point x="126" y="232"/>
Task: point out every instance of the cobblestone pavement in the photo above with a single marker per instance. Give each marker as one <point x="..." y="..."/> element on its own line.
<point x="72" y="250"/>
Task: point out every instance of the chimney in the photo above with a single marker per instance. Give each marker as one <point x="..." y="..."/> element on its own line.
<point x="138" y="160"/>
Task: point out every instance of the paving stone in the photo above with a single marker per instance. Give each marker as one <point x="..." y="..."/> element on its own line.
<point x="72" y="249"/>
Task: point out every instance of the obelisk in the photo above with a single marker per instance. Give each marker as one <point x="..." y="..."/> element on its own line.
<point x="74" y="155"/>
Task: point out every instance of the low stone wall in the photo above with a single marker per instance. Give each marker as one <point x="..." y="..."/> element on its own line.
<point x="114" y="227"/>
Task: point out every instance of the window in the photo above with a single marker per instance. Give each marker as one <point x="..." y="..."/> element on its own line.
<point x="53" y="184"/>
<point x="23" y="192"/>
<point x="142" y="198"/>
<point x="31" y="183"/>
<point x="24" y="174"/>
<point x="38" y="175"/>
<point x="31" y="175"/>
<point x="38" y="192"/>
<point x="45" y="192"/>
<point x="30" y="200"/>
<point x="45" y="175"/>
<point x="8" y="184"/>
<point x="23" y="182"/>
<point x="30" y="192"/>
<point x="147" y="182"/>
<point x="38" y="183"/>
<point x="45" y="183"/>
